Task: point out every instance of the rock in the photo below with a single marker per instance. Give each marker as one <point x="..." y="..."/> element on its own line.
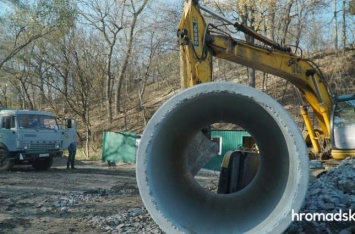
<point x="347" y="185"/>
<point x="332" y="192"/>
<point x="345" y="200"/>
<point x="315" y="191"/>
<point x="64" y="209"/>
<point x="329" y="206"/>
<point x="44" y="209"/>
<point x="121" y="225"/>
<point x="345" y="231"/>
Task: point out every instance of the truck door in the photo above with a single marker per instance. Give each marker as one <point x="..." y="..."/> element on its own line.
<point x="8" y="132"/>
<point x="69" y="131"/>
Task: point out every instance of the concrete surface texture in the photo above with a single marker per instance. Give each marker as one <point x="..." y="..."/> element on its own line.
<point x="167" y="187"/>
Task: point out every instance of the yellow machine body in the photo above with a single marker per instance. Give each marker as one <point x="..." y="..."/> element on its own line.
<point x="198" y="46"/>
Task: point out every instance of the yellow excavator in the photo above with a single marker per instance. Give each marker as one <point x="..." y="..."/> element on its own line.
<point x="175" y="144"/>
<point x="199" y="45"/>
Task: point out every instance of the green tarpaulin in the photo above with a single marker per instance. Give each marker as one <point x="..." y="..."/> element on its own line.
<point x="119" y="147"/>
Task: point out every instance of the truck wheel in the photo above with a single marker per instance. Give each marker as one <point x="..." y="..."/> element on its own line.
<point x="5" y="163"/>
<point x="43" y="164"/>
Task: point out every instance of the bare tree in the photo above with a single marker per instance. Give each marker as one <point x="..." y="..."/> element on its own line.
<point x="73" y="76"/>
<point x="247" y="13"/>
<point x="285" y="20"/>
<point x="335" y="26"/>
<point x="135" y="15"/>
<point x="26" y="24"/>
<point x="153" y="48"/>
<point x="107" y="17"/>
<point x="344" y="27"/>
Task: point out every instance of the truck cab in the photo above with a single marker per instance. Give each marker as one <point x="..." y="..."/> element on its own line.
<point x="33" y="138"/>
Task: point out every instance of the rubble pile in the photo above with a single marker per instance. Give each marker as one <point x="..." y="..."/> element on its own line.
<point x="134" y="220"/>
<point x="331" y="196"/>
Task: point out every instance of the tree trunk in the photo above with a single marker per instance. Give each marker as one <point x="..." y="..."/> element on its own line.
<point x="251" y="71"/>
<point x="344" y="27"/>
<point x="109" y="78"/>
<point x="87" y="142"/>
<point x="248" y="16"/>
<point x="264" y="85"/>
<point x="128" y="56"/>
<point x="287" y="19"/>
<point x="335" y="25"/>
<point x="108" y="93"/>
<point x="26" y="97"/>
<point x="251" y="74"/>
<point x="271" y="22"/>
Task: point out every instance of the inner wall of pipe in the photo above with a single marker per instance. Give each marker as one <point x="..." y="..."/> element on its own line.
<point x="181" y="200"/>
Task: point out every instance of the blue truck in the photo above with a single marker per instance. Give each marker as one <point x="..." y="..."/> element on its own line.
<point x="29" y="137"/>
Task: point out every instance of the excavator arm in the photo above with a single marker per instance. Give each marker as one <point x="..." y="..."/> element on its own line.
<point x="200" y="42"/>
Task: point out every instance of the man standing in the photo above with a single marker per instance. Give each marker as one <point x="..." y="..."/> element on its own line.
<point x="71" y="157"/>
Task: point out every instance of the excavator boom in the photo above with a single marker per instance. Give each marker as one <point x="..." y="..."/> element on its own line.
<point x="200" y="42"/>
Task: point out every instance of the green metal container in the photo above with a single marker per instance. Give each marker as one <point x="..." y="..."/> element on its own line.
<point x="229" y="140"/>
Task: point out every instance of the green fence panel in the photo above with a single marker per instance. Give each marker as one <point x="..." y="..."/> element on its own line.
<point x="119" y="147"/>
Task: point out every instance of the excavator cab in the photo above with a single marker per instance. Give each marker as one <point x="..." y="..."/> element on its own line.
<point x="343" y="121"/>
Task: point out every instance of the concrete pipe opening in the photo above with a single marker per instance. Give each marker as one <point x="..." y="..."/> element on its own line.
<point x="178" y="204"/>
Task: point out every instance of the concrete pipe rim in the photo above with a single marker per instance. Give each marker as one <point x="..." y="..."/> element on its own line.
<point x="178" y="204"/>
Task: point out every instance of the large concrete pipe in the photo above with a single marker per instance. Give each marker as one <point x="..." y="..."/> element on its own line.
<point x="178" y="204"/>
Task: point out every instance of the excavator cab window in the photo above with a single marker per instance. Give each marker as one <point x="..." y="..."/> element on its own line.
<point x="344" y="123"/>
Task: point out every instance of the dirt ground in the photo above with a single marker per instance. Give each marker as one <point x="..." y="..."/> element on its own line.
<point x="94" y="199"/>
<point x="64" y="201"/>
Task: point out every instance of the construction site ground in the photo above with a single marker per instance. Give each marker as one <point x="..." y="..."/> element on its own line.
<point x="96" y="198"/>
<point x="64" y="200"/>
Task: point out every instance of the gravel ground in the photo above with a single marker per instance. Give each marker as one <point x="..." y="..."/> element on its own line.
<point x="92" y="199"/>
<point x="98" y="199"/>
<point x="333" y="192"/>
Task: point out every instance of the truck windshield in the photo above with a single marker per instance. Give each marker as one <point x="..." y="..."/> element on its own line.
<point x="30" y="121"/>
